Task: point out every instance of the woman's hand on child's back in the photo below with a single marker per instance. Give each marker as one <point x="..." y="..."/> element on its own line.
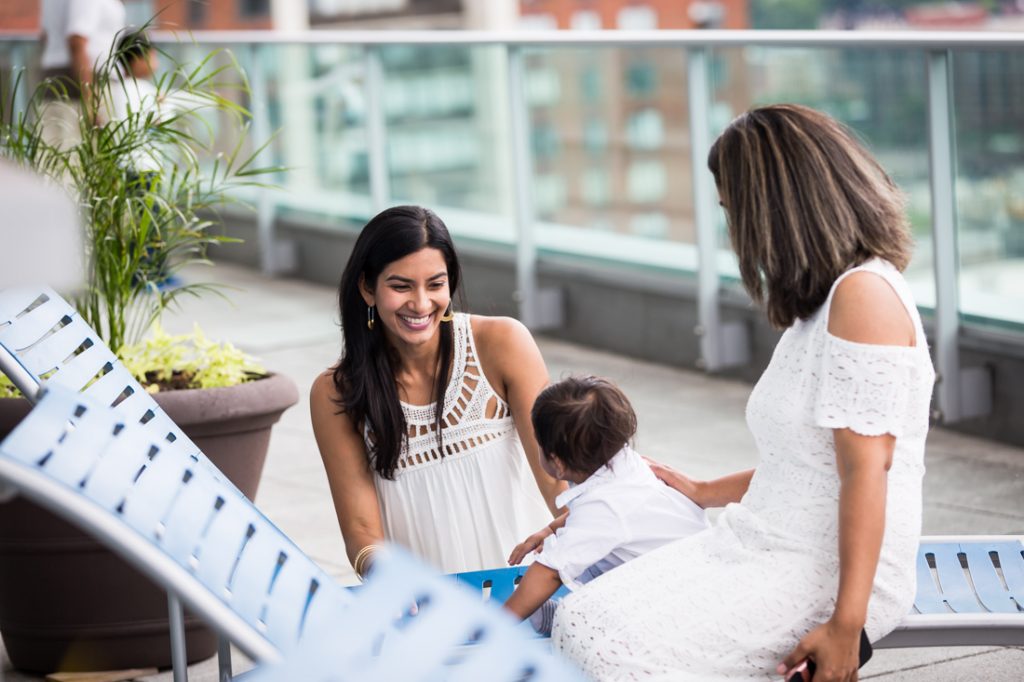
<point x="533" y="543"/>
<point x="674" y="479"/>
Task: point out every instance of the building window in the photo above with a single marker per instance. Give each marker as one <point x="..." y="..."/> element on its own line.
<point x="543" y="87"/>
<point x="585" y="20"/>
<point x="638" y="19"/>
<point x="196" y="12"/>
<point x="646" y="181"/>
<point x="546" y="141"/>
<point x="253" y="8"/>
<point x="594" y="187"/>
<point x="592" y="84"/>
<point x="651" y="225"/>
<point x="645" y="130"/>
<point x="538" y="22"/>
<point x="595" y="136"/>
<point x="549" y="193"/>
<point x="641" y="79"/>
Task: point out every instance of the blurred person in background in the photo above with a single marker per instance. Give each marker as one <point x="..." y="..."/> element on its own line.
<point x="78" y="37"/>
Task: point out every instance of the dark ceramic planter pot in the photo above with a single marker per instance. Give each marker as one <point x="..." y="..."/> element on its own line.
<point x="68" y="604"/>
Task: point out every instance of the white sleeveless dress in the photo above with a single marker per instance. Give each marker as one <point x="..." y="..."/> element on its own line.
<point x="730" y="602"/>
<point x="467" y="510"/>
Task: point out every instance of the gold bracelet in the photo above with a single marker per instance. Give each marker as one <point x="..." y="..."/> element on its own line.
<point x="361" y="557"/>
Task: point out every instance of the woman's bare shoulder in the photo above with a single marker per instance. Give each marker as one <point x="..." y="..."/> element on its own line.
<point x="324" y="389"/>
<point x="493" y="331"/>
<point x="866" y="309"/>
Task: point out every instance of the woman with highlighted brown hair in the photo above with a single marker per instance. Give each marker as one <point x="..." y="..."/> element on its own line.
<point x="818" y="543"/>
<point x="424" y="424"/>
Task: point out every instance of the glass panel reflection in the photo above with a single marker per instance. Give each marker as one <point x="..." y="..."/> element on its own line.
<point x="989" y="109"/>
<point x="879" y="94"/>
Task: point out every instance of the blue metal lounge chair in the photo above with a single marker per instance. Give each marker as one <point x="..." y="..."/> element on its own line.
<point x="43" y="337"/>
<point x="174" y="519"/>
<point x="970" y="592"/>
<point x="429" y="646"/>
<point x="203" y="541"/>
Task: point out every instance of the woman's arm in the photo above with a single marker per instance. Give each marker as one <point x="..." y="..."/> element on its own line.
<point x="515" y="367"/>
<point x="348" y="472"/>
<point x="717" y="492"/>
<point x="536" y="587"/>
<point x="865" y="309"/>
<point x="863" y="463"/>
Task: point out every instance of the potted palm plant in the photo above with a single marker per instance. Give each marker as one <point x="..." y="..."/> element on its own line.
<point x="147" y="177"/>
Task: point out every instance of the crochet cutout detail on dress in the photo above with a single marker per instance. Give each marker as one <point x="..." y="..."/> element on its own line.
<point x="473" y="413"/>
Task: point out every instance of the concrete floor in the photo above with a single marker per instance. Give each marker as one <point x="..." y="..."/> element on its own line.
<point x="688" y="419"/>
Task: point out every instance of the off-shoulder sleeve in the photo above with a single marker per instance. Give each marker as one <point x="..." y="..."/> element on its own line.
<point x="864" y="387"/>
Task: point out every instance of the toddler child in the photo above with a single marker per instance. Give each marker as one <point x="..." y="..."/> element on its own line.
<point x="616" y="509"/>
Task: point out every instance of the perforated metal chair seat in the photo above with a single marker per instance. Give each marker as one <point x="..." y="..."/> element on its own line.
<point x="970" y="591"/>
<point x="429" y="645"/>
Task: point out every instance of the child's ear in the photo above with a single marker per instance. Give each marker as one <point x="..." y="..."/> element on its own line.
<point x="558" y="465"/>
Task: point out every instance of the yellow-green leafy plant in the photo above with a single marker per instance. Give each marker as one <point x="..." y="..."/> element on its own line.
<point x="164" y="361"/>
<point x="7" y="389"/>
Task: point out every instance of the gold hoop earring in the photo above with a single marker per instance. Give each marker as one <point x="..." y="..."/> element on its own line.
<point x="449" y="314"/>
<point x="370" y="317"/>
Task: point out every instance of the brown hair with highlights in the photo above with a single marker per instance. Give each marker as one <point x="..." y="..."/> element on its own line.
<point x="583" y="421"/>
<point x="804" y="201"/>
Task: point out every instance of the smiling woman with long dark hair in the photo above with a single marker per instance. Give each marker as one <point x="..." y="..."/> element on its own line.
<point x="423" y="425"/>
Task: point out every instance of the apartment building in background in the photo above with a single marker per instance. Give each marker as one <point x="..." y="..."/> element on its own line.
<point x="610" y="127"/>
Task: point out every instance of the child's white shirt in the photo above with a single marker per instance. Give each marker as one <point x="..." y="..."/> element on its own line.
<point x="620" y="512"/>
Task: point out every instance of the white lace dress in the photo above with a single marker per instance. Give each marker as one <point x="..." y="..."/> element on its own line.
<point x="467" y="510"/>
<point x="730" y="602"/>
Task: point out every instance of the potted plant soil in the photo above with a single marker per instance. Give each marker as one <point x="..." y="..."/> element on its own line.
<point x="146" y="181"/>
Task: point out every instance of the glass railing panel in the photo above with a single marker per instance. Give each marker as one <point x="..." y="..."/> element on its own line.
<point x="879" y="94"/>
<point x="988" y="91"/>
<point x="316" y="101"/>
<point x="308" y="102"/>
<point x="447" y="118"/>
<point x="611" y="154"/>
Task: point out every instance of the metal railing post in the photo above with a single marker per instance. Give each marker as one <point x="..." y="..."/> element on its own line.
<point x="721" y="345"/>
<point x="960" y="393"/>
<point x="376" y="130"/>
<point x="19" y="63"/>
<point x="538" y="308"/>
<point x="176" y="620"/>
<point x="522" y="188"/>
<point x="265" y="232"/>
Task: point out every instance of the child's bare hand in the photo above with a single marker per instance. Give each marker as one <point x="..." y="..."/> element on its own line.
<point x="533" y="543"/>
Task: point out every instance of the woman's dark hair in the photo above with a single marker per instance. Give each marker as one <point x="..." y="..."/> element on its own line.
<point x="805" y="201"/>
<point x="583" y="421"/>
<point x="364" y="378"/>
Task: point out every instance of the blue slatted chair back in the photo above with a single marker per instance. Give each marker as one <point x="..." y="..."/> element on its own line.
<point x="996" y="583"/>
<point x="428" y="646"/>
<point x="78" y="457"/>
<point x="54" y="344"/>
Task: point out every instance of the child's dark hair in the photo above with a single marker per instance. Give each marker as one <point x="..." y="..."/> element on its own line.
<point x="584" y="421"/>
<point x="133" y="45"/>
